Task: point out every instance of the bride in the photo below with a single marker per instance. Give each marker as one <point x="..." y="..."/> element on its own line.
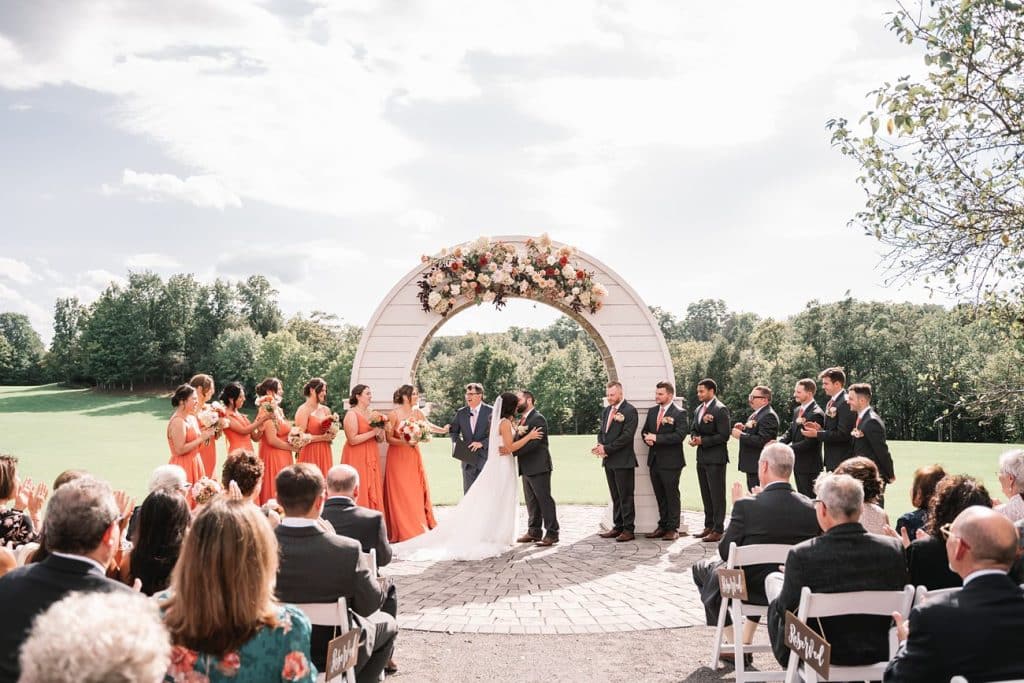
<point x="484" y="523"/>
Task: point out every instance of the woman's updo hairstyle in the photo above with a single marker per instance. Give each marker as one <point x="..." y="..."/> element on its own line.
<point x="509" y="403"/>
<point x="314" y="385"/>
<point x="181" y="394"/>
<point x="403" y="392"/>
<point x="231" y="392"/>
<point x="204" y="382"/>
<point x="357" y="391"/>
<point x="269" y="385"/>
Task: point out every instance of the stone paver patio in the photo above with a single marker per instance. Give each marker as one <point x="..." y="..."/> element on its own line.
<point x="585" y="584"/>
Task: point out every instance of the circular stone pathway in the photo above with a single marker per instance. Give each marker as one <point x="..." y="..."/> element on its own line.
<point x="585" y="584"/>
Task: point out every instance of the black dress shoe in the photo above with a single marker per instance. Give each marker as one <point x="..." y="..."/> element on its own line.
<point x="729" y="657"/>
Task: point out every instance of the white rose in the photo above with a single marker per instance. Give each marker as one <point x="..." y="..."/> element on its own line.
<point x="434" y="299"/>
<point x="481" y="244"/>
<point x="599" y="289"/>
<point x="585" y="298"/>
<point x="484" y="279"/>
<point x="544" y="240"/>
<point x="568" y="273"/>
<point x="551" y="260"/>
<point x="492" y="266"/>
<point x="455" y="290"/>
<point x="567" y="300"/>
<point x="575" y="290"/>
<point x="523" y="286"/>
<point x="469" y="275"/>
<point x="488" y="296"/>
<point x="530" y="270"/>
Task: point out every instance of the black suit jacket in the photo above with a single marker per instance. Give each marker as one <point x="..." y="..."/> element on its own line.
<point x="836" y="433"/>
<point x="618" y="440"/>
<point x="806" y="451"/>
<point x="928" y="564"/>
<point x="318" y="566"/>
<point x="362" y="524"/>
<point x="753" y="439"/>
<point x="776" y="515"/>
<point x="844" y="559"/>
<point x="28" y="591"/>
<point x="534" y="457"/>
<point x="714" y="434"/>
<point x="975" y="633"/>
<point x="461" y="428"/>
<point x="667" y="451"/>
<point x="872" y="444"/>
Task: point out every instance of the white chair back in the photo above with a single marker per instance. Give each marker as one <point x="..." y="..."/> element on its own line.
<point x="334" y="614"/>
<point x="372" y="558"/>
<point x="923" y="595"/>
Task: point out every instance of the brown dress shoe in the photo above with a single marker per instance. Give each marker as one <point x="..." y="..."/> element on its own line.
<point x="625" y="536"/>
<point x="670" y="536"/>
<point x="527" y="538"/>
<point x="548" y="541"/>
<point x="611" y="533"/>
<point x="729" y="657"/>
<point x="655" y="534"/>
<point x="390" y="667"/>
<point x="707" y="530"/>
<point x="713" y="537"/>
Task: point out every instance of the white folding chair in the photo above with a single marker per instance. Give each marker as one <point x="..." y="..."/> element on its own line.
<point x="372" y="559"/>
<point x="880" y="603"/>
<point x="739" y="556"/>
<point x="923" y="595"/>
<point x="333" y="614"/>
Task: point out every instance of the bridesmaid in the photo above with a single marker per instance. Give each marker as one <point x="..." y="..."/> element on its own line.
<point x="275" y="451"/>
<point x="204" y="388"/>
<point x="407" y="505"/>
<point x="240" y="432"/>
<point x="361" y="451"/>
<point x="184" y="435"/>
<point x="309" y="418"/>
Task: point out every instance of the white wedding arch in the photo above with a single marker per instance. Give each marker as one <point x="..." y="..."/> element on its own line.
<point x="626" y="335"/>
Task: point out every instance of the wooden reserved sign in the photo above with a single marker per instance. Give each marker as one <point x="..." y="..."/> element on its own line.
<point x="342" y="653"/>
<point x="732" y="583"/>
<point x="808" y="645"/>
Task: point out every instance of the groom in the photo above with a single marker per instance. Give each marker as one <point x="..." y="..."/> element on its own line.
<point x="535" y="467"/>
<point x="472" y="423"/>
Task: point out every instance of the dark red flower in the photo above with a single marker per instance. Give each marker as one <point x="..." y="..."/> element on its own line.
<point x="549" y="271"/>
<point x="562" y="261"/>
<point x="580" y="275"/>
<point x="483" y="260"/>
<point x="456" y="265"/>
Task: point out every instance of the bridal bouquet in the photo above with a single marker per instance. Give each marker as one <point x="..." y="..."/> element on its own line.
<point x="204" y="490"/>
<point x="414" y="431"/>
<point x="331" y="425"/>
<point x="298" y="438"/>
<point x="378" y="420"/>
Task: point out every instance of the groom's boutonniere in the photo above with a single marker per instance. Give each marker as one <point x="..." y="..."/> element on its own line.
<point x="708" y="417"/>
<point x="856" y="433"/>
<point x="752" y="424"/>
<point x="668" y="420"/>
<point x="521" y="429"/>
<point x="619" y="417"/>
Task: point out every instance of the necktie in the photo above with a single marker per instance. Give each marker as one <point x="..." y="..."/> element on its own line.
<point x="611" y="416"/>
<point x="472" y="421"/>
<point x="857" y="424"/>
<point x="522" y="420"/>
<point x="704" y="410"/>
<point x="661" y="415"/>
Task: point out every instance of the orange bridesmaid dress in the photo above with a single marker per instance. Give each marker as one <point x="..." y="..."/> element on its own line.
<point x="208" y="452"/>
<point x="236" y="440"/>
<point x="191" y="462"/>
<point x="407" y="507"/>
<point x="318" y="453"/>
<point x="274" y="459"/>
<point x="365" y="457"/>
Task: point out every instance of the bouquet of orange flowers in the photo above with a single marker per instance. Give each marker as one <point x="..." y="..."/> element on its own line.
<point x="204" y="490"/>
<point x="378" y="420"/>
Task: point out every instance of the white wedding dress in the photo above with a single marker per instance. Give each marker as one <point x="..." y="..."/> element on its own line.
<point x="484" y="523"/>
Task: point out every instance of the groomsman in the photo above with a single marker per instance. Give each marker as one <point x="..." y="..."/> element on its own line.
<point x="761" y="427"/>
<point x="472" y="423"/>
<point x="869" y="432"/>
<point x="709" y="433"/>
<point x="839" y="419"/>
<point x="615" y="448"/>
<point x="663" y="433"/>
<point x="806" y="451"/>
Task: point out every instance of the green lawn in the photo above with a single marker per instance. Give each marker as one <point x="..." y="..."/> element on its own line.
<point x="121" y="437"/>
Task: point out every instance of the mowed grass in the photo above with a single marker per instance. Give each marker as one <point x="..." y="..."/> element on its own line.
<point x="121" y="437"/>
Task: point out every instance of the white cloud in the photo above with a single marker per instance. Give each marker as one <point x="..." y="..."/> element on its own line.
<point x="19" y="106"/>
<point x="151" y="261"/>
<point x="205" y="191"/>
<point x="17" y="271"/>
<point x="101" y="279"/>
<point x="15" y="302"/>
<point x="421" y="222"/>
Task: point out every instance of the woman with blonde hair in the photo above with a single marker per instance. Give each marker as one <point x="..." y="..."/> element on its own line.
<point x="203" y="384"/>
<point x="220" y="610"/>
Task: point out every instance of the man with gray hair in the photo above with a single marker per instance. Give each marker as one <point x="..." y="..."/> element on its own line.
<point x="348" y="519"/>
<point x="82" y="533"/>
<point x="845" y="558"/>
<point x="777" y="514"/>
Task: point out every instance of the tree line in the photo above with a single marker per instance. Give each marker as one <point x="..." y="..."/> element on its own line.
<point x="932" y="368"/>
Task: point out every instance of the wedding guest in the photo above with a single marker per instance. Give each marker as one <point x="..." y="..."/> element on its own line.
<point x="760" y="428"/>
<point x="163" y="478"/>
<point x="164" y="517"/>
<point x="834" y="433"/>
<point x="806" y="450"/>
<point x="925" y="480"/>
<point x="8" y="560"/>
<point x="975" y="632"/>
<point x="663" y="432"/>
<point x="407" y="506"/>
<point x="247" y="471"/>
<point x="350" y="520"/>
<point x="1011" y="480"/>
<point x="318" y="565"/>
<point x="19" y="524"/>
<point x="240" y="431"/>
<point x="472" y="424"/>
<point x="83" y="638"/>
<point x="70" y="475"/>
<point x="82" y="531"/>
<point x="361" y="450"/>
<point x="244" y="634"/>
<point x="619" y="421"/>
<point x="184" y="437"/>
<point x="309" y="418"/>
<point x="709" y="433"/>
<point x="872" y="517"/>
<point x="204" y="387"/>
<point x="276" y="452"/>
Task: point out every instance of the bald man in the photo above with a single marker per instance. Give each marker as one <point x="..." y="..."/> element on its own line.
<point x="348" y="519"/>
<point x="976" y="631"/>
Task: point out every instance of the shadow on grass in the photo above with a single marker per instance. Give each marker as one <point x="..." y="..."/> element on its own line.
<point x="56" y="398"/>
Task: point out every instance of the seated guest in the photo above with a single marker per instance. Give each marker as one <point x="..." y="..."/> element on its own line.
<point x="775" y="515"/>
<point x="164" y="517"/>
<point x="246" y="470"/>
<point x="975" y="632"/>
<point x="1011" y="479"/>
<point x="220" y="611"/>
<point x="63" y="646"/>
<point x="348" y="519"/>
<point x="845" y="558"/>
<point x="20" y="523"/>
<point x="70" y="475"/>
<point x="926" y="557"/>
<point x="317" y="565"/>
<point x="925" y="480"/>
<point x="163" y="478"/>
<point x="873" y="517"/>
<point x="82" y="531"/>
<point x="8" y="560"/>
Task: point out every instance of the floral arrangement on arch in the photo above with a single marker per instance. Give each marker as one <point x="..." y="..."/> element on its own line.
<point x="486" y="272"/>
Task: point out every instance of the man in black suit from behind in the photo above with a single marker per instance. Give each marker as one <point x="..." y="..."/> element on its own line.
<point x="808" y="463"/>
<point x="846" y="558"/>
<point x="709" y="433"/>
<point x="869" y="433"/>
<point x="761" y="427"/>
<point x="348" y="519"/>
<point x="319" y="566"/>
<point x="834" y="433"/>
<point x="975" y="632"/>
<point x="619" y="421"/>
<point x="663" y="432"/>
<point x="82" y="533"/>
<point x="777" y="514"/>
<point x="535" y="467"/>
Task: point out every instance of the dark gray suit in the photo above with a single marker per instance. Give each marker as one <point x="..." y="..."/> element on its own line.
<point x="534" y="462"/>
<point x="362" y="524"/>
<point x="319" y="566"/>
<point x="807" y="452"/>
<point x="753" y="439"/>
<point x="461" y="428"/>
<point x="620" y="462"/>
<point x="844" y="559"/>
<point x="665" y="461"/>
<point x="712" y="457"/>
<point x="835" y="435"/>
<point x="872" y="444"/>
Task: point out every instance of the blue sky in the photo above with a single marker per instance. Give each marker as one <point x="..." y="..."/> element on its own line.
<point x="329" y="145"/>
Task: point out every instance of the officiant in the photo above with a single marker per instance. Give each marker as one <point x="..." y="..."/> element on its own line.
<point x="469" y="429"/>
